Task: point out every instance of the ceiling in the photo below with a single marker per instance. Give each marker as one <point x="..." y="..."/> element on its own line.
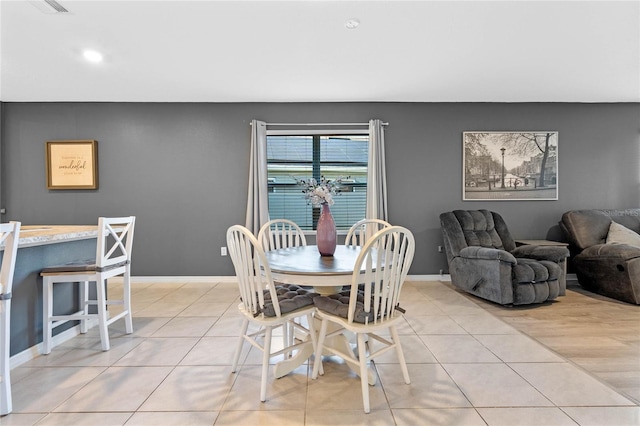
<point x="301" y="51"/>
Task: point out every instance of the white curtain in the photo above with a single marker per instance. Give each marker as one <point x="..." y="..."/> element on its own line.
<point x="257" y="199"/>
<point x="377" y="175"/>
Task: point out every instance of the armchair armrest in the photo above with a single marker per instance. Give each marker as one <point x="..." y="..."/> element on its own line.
<point x="487" y="253"/>
<point x="553" y="253"/>
<point x="609" y="251"/>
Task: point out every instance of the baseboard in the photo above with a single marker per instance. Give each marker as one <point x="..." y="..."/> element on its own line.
<point x="32" y="352"/>
<point x="230" y="279"/>
<point x="431" y="277"/>
<point x="171" y="279"/>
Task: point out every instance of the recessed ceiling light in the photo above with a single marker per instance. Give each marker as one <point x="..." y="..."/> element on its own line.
<point x="92" y="56"/>
<point x="352" y="24"/>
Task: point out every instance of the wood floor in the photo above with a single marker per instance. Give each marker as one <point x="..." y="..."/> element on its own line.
<point x="599" y="334"/>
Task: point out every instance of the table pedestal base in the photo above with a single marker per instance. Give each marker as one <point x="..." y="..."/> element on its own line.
<point x="339" y="342"/>
<point x="327" y="290"/>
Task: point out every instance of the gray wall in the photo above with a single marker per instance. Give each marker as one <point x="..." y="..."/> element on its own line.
<point x="182" y="169"/>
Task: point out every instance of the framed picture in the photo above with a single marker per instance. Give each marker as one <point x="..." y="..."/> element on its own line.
<point x="510" y="166"/>
<point x="72" y="164"/>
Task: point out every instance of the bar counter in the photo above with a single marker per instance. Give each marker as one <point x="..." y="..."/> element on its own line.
<point x="41" y="246"/>
<point x="37" y="235"/>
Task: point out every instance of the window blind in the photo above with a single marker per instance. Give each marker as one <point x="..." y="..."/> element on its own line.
<point x="291" y="157"/>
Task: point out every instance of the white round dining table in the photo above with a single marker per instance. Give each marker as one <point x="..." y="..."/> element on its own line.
<point x="304" y="265"/>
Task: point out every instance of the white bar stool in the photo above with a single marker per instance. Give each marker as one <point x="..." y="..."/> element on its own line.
<point x="113" y="258"/>
<point x="9" y="234"/>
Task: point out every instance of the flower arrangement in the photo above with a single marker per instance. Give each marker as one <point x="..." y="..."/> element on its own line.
<point x="319" y="192"/>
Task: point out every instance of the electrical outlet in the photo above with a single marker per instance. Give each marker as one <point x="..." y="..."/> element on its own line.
<point x="439" y="249"/>
<point x="223" y="251"/>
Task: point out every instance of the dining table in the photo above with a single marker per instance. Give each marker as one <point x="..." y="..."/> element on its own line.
<point x="303" y="265"/>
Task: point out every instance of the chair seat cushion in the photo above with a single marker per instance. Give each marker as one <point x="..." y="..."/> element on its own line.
<point x="338" y="305"/>
<point x="79" y="266"/>
<point x="290" y="298"/>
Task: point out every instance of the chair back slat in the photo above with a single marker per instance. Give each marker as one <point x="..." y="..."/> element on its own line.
<point x="252" y="270"/>
<point x="364" y="229"/>
<point x="115" y="241"/>
<point x="281" y="233"/>
<point x="9" y="236"/>
<point x="385" y="260"/>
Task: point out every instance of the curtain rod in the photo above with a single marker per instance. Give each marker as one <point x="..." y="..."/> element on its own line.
<point x="320" y="124"/>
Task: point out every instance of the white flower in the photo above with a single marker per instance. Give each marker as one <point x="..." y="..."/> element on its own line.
<point x="318" y="193"/>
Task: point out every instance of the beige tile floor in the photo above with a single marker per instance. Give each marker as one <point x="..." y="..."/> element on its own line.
<point x="467" y="367"/>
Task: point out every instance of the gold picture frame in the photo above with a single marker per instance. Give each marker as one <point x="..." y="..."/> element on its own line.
<point x="72" y="164"/>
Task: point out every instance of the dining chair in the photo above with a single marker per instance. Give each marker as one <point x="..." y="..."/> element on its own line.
<point x="383" y="265"/>
<point x="9" y="235"/>
<point x="363" y="230"/>
<point x="112" y="259"/>
<point x="263" y="304"/>
<point x="281" y="233"/>
<point x="278" y="234"/>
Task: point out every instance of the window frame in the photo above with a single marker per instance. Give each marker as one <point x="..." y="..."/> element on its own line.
<point x="331" y="131"/>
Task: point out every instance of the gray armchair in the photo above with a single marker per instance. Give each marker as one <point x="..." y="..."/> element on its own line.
<point x="484" y="260"/>
<point x="610" y="269"/>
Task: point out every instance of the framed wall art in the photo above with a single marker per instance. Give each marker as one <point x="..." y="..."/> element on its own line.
<point x="72" y="164"/>
<point x="510" y="166"/>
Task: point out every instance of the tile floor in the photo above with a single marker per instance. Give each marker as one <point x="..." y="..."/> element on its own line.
<point x="467" y="367"/>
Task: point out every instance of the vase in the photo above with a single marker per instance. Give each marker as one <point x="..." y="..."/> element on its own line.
<point x="326" y="232"/>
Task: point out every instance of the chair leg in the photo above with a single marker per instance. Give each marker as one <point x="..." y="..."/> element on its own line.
<point x="102" y="313"/>
<point x="364" y="374"/>
<point x="317" y="362"/>
<point x="266" y="355"/>
<point x="5" y="379"/>
<point x="47" y="312"/>
<point x="403" y="364"/>
<point x="84" y="306"/>
<point x="126" y="301"/>
<point x="236" y="356"/>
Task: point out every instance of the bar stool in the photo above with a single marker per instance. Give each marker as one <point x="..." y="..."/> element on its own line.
<point x="9" y="234"/>
<point x="113" y="258"/>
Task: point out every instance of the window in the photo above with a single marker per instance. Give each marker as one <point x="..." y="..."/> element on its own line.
<point x="314" y="154"/>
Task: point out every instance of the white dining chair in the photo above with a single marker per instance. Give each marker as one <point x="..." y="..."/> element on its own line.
<point x="362" y="230"/>
<point x="262" y="305"/>
<point x="281" y="233"/>
<point x="9" y="235"/>
<point x="383" y="265"/>
<point x="112" y="259"/>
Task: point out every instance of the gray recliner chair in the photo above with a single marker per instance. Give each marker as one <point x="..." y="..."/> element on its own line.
<point x="484" y="260"/>
<point x="610" y="269"/>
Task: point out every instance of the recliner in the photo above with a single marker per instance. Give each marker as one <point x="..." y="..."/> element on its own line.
<point x="610" y="269"/>
<point x="484" y="260"/>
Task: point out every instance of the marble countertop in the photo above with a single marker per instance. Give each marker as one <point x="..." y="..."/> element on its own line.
<point x="37" y="235"/>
